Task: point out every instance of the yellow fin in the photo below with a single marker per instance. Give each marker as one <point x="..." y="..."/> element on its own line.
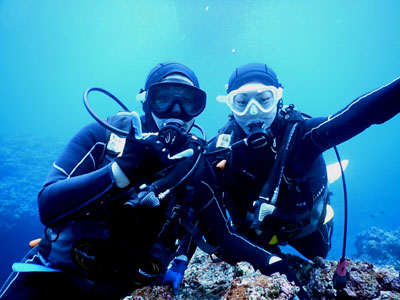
<point x="273" y="240"/>
<point x="329" y="214"/>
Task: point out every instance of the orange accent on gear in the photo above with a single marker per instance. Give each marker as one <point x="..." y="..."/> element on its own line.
<point x="221" y="165"/>
<point x="34" y="242"/>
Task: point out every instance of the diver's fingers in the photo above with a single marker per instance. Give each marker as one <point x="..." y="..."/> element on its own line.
<point x="136" y="124"/>
<point x="184" y="154"/>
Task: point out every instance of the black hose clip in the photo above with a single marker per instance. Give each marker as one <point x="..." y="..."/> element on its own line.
<point x="147" y="197"/>
<point x="263" y="209"/>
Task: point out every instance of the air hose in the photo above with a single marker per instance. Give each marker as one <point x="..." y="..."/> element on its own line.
<point x="340" y="275"/>
<point x="265" y="205"/>
<point x="96" y="117"/>
<point x="152" y="195"/>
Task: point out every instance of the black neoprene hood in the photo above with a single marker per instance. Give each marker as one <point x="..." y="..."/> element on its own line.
<point x="252" y="72"/>
<point x="167" y="68"/>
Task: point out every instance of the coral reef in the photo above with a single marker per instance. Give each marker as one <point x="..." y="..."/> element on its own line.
<point x="364" y="280"/>
<point x="18" y="186"/>
<point x="379" y="247"/>
<point x="258" y="286"/>
<point x="155" y="293"/>
<point x="208" y="280"/>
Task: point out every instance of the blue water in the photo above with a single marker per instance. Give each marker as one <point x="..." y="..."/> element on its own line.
<point x="326" y="53"/>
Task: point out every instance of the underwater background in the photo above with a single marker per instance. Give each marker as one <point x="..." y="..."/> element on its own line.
<point x="326" y="53"/>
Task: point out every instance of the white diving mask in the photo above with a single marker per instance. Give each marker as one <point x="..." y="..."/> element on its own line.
<point x="251" y="96"/>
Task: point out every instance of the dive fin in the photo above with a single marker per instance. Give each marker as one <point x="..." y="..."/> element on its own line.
<point x="183" y="154"/>
<point x="22" y="267"/>
<point x="334" y="172"/>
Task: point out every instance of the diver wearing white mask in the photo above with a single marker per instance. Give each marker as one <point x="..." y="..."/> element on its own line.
<point x="253" y="103"/>
<point x="268" y="159"/>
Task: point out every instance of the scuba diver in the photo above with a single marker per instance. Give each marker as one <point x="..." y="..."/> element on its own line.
<point x="268" y="159"/>
<point x="123" y="195"/>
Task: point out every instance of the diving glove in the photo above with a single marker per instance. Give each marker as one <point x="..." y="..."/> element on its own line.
<point x="142" y="158"/>
<point x="175" y="272"/>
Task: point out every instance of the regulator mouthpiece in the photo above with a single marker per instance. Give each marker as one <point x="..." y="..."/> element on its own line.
<point x="258" y="136"/>
<point x="173" y="135"/>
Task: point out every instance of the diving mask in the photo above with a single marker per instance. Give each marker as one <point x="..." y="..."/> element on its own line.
<point x="251" y="96"/>
<point x="164" y="95"/>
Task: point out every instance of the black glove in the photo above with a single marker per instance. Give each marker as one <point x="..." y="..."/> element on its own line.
<point x="142" y="158"/>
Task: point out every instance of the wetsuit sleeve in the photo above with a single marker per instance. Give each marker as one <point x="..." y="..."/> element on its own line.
<point x="76" y="179"/>
<point x="375" y="107"/>
<point x="214" y="226"/>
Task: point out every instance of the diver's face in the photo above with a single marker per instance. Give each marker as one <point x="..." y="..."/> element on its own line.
<point x="253" y="101"/>
<point x="255" y="116"/>
<point x="161" y="122"/>
<point x="175" y="99"/>
<point x="174" y="104"/>
<point x="254" y="105"/>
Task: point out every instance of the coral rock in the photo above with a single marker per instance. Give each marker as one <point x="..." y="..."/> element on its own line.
<point x="148" y="293"/>
<point x="258" y="286"/>
<point x="365" y="281"/>
<point x="208" y="280"/>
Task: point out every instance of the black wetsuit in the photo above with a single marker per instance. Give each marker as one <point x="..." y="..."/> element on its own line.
<point x="303" y="194"/>
<point x="103" y="249"/>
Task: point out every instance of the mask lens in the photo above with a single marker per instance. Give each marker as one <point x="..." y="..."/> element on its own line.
<point x="240" y="101"/>
<point x="264" y="99"/>
<point x="162" y="97"/>
<point x="161" y="102"/>
<point x="188" y="102"/>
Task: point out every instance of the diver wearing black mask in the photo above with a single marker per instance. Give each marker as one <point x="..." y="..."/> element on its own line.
<point x="95" y="245"/>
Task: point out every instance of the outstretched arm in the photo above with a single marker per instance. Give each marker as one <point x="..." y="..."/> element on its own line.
<point x="375" y="107"/>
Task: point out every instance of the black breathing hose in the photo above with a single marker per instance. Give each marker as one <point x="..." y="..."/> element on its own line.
<point x="345" y="205"/>
<point x="96" y="117"/>
<point x="280" y="161"/>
